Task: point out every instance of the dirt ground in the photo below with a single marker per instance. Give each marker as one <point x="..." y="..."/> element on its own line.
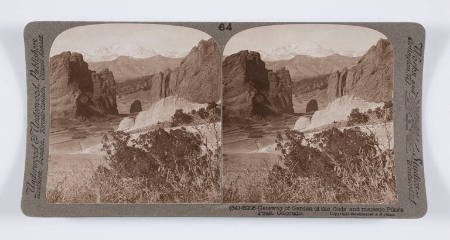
<point x="75" y="151"/>
<point x="245" y="159"/>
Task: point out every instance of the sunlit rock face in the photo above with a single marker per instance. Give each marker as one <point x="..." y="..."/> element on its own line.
<point x="370" y="79"/>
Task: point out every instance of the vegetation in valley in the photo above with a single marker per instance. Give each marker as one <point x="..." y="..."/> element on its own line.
<point x="162" y="165"/>
<point x="377" y="115"/>
<point x="180" y="118"/>
<point x="209" y="114"/>
<point x="357" y="117"/>
<point x="332" y="166"/>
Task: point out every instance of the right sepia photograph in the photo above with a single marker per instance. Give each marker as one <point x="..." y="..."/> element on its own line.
<point x="308" y="115"/>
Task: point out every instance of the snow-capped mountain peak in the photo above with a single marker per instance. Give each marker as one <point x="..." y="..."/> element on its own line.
<point x="309" y="48"/>
<point x="114" y="51"/>
<point x="129" y="50"/>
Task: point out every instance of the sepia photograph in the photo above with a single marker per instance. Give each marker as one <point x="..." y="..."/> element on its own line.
<point x="135" y="115"/>
<point x="226" y="120"/>
<point x="308" y="115"/>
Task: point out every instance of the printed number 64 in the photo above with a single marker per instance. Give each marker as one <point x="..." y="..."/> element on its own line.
<point x="223" y="27"/>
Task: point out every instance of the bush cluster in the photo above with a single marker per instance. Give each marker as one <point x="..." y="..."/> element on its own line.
<point x="202" y="113"/>
<point x="170" y="164"/>
<point x="357" y="117"/>
<point x="386" y="112"/>
<point x="159" y="166"/>
<point x="180" y="118"/>
<point x="211" y="114"/>
<point x="345" y="166"/>
<point x="332" y="166"/>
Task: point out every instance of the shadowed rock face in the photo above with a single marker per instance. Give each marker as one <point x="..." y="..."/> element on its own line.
<point x="312" y="106"/>
<point x="77" y="91"/>
<point x="135" y="107"/>
<point x="370" y="79"/>
<point x="280" y="90"/>
<point x="249" y="88"/>
<point x="160" y="85"/>
<point x="104" y="91"/>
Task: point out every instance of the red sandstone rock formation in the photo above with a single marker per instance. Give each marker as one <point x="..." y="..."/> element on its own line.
<point x="371" y="79"/>
<point x="77" y="91"/>
<point x="249" y="88"/>
<point x="196" y="78"/>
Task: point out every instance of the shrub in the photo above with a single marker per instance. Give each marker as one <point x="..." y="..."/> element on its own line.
<point x="165" y="166"/>
<point x="388" y="104"/>
<point x="180" y="118"/>
<point x="214" y="108"/>
<point x="379" y="112"/>
<point x="202" y="113"/>
<point x="211" y="105"/>
<point x="356" y="117"/>
<point x="345" y="166"/>
<point x="175" y="166"/>
<point x="218" y="111"/>
<point x="388" y="110"/>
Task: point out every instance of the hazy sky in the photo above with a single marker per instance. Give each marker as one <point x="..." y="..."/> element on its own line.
<point x="284" y="41"/>
<point x="104" y="41"/>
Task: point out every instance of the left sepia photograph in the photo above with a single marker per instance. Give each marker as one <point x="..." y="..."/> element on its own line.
<point x="135" y="115"/>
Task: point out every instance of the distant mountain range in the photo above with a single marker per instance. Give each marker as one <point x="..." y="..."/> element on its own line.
<point x="371" y="79"/>
<point x="252" y="85"/>
<point x="125" y="67"/>
<point x="112" y="52"/>
<point x="304" y="66"/>
<point x="308" y="48"/>
<point x="195" y="78"/>
<point x="92" y="90"/>
<point x="299" y="66"/>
